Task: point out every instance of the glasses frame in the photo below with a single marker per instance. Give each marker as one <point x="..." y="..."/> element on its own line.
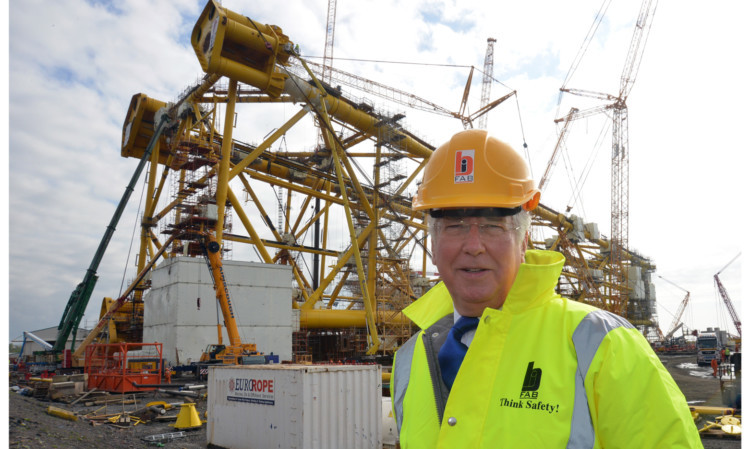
<point x="460" y="228"/>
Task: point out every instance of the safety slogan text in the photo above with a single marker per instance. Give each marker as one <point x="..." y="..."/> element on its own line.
<point x="530" y="405"/>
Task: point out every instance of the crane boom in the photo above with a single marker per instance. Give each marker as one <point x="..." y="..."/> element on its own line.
<point x="560" y="139"/>
<point x="637" y="45"/>
<point x="328" y="50"/>
<point x="79" y="299"/>
<point x="676" y="322"/>
<point x="375" y="88"/>
<point x="725" y="296"/>
<point x="213" y="254"/>
<point x="683" y="305"/>
<point x="489" y="61"/>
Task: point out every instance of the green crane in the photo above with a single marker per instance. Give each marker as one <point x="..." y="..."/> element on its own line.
<point x="79" y="299"/>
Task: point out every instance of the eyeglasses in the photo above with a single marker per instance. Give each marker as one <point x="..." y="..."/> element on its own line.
<point x="488" y="228"/>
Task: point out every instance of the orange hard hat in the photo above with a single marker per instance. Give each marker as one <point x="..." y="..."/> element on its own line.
<point x="476" y="170"/>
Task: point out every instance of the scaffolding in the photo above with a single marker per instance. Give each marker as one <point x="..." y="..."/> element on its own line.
<point x="329" y="345"/>
<point x="367" y="271"/>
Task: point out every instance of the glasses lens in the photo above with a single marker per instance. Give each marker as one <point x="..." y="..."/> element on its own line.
<point x="488" y="227"/>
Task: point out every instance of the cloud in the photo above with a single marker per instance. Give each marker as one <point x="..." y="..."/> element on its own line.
<point x="74" y="65"/>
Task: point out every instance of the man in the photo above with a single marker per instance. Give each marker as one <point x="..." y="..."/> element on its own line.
<point x="541" y="371"/>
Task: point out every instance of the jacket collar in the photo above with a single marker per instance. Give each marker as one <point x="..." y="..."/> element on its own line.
<point x="535" y="282"/>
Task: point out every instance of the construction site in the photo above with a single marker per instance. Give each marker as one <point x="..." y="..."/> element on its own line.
<point x="294" y="251"/>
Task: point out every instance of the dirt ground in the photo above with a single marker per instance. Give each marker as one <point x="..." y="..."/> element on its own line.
<point x="30" y="427"/>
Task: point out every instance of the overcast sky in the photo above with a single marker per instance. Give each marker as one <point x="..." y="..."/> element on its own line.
<point x="74" y="66"/>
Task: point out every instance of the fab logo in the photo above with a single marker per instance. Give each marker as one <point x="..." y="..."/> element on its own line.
<point x="531" y="382"/>
<point x="464" y="169"/>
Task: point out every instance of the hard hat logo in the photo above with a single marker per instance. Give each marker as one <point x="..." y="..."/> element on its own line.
<point x="464" y="167"/>
<point x="475" y="170"/>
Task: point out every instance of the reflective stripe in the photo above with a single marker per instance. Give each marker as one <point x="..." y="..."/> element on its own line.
<point x="400" y="378"/>
<point x="587" y="337"/>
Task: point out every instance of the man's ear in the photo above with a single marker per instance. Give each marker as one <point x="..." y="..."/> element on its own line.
<point x="525" y="245"/>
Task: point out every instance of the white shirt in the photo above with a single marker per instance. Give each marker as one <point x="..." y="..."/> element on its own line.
<point x="468" y="336"/>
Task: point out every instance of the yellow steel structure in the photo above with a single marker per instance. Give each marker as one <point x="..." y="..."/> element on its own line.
<point x="365" y="276"/>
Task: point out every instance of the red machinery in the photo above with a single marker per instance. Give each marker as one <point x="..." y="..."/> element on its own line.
<point x="116" y="367"/>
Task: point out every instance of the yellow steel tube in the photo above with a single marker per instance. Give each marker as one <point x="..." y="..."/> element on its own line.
<point x="266" y="143"/>
<point x="325" y="231"/>
<point x="302" y="91"/>
<point x="251" y="38"/>
<point x="373" y="243"/>
<point x="61" y="413"/>
<point x="226" y="152"/>
<point x="342" y="319"/>
<point x="272" y="244"/>
<point x="249" y="227"/>
<point x="372" y="329"/>
<point x="236" y="71"/>
<point x="315" y="297"/>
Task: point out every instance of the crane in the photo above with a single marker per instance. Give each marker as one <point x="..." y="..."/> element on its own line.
<point x="79" y="299"/>
<point x="560" y="142"/>
<point x="489" y="60"/>
<point x="328" y="51"/>
<point x="398" y="96"/>
<point x="620" y="170"/>
<point x="237" y="351"/>
<point x="727" y="300"/>
<point x="683" y="305"/>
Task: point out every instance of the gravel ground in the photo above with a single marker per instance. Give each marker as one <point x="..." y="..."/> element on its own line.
<point x="32" y="428"/>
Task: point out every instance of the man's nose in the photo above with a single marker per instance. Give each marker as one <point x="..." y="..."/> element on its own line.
<point x="473" y="243"/>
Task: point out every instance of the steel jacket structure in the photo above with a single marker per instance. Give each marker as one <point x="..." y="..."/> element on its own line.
<point x="542" y="372"/>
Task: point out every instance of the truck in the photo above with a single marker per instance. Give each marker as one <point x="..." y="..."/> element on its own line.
<point x="709" y="344"/>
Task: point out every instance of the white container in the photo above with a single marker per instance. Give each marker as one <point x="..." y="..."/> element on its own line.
<point x="295" y="406"/>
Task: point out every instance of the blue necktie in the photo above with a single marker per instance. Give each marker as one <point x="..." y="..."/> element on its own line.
<point x="452" y="352"/>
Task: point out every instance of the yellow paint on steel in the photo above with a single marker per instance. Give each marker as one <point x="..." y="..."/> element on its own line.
<point x="226" y="152"/>
<point x="62" y="413"/>
<point x="369" y="124"/>
<point x="232" y="45"/>
<point x="342" y="319"/>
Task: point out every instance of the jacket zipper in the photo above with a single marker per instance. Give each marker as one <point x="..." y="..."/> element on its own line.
<point x="436" y="381"/>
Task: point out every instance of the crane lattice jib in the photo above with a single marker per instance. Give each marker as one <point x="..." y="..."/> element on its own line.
<point x="728" y="302"/>
<point x="676" y="322"/>
<point x="389" y="93"/>
<point x="560" y="139"/>
<point x="637" y="45"/>
<point x="489" y="61"/>
<point x="683" y="305"/>
<point x="328" y="50"/>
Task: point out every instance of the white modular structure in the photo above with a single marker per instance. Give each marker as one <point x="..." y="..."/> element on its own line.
<point x="180" y="310"/>
<point x="295" y="406"/>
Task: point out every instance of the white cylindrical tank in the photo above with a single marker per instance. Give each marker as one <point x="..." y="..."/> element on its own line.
<point x="390" y="434"/>
<point x="299" y="406"/>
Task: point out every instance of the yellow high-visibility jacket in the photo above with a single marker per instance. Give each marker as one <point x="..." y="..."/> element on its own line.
<point x="542" y="372"/>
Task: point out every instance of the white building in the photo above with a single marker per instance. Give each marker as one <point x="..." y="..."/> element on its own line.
<point x="180" y="309"/>
<point x="49" y="335"/>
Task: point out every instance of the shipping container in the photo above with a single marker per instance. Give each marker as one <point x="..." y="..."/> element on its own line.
<point x="295" y="406"/>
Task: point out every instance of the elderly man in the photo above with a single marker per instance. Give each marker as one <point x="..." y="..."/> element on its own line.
<point x="540" y="371"/>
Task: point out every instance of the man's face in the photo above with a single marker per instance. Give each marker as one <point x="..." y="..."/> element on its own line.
<point x="477" y="261"/>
